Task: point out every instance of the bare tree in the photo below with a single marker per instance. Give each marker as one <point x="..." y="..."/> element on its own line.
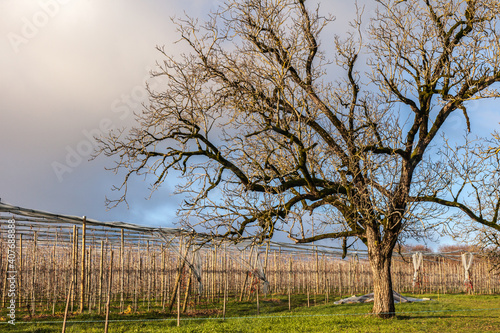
<point x="470" y="186"/>
<point x="267" y="141"/>
<point x="487" y="240"/>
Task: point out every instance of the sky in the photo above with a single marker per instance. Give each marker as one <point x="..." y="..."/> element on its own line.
<point x="72" y="69"/>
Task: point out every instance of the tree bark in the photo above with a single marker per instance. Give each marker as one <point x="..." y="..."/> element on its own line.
<point x="383" y="305"/>
<point x="380" y="257"/>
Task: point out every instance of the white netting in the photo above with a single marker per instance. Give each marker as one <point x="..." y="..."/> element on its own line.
<point x="467" y="263"/>
<point x="417" y="262"/>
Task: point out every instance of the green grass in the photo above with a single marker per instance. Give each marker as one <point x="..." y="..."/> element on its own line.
<point x="448" y="313"/>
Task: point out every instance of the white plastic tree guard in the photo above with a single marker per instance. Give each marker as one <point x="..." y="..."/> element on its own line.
<point x="417" y="262"/>
<point x="467" y="262"/>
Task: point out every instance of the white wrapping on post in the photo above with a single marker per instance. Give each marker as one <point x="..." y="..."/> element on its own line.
<point x="417" y="261"/>
<point x="467" y="265"/>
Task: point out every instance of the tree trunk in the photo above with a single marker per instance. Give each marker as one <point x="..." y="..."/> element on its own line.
<point x="383" y="305"/>
<point x="380" y="256"/>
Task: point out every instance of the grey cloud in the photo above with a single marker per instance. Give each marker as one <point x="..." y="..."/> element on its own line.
<point x="69" y="76"/>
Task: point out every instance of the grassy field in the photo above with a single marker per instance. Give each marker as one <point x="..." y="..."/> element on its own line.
<point x="446" y="313"/>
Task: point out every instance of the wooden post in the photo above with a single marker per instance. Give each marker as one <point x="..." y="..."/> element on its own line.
<point x="225" y="283"/>
<point x="273" y="277"/>
<point x="4" y="292"/>
<point x="325" y="279"/>
<point x="54" y="286"/>
<point x="179" y="306"/>
<point x="327" y="282"/>
<point x="162" y="278"/>
<point x="179" y="286"/>
<point x="70" y="290"/>
<point x="110" y="280"/>
<point x="1" y="270"/>
<point x="256" y="265"/>
<point x="82" y="272"/>
<point x="489" y="277"/>
<point x="122" y="270"/>
<point x="243" y="286"/>
<point x="141" y="278"/>
<point x="214" y="268"/>
<point x="340" y="279"/>
<point x="20" y="285"/>
<point x="148" y="272"/>
<point x="48" y="276"/>
<point x="280" y="274"/>
<point x="349" y="278"/>
<point x="440" y="274"/>
<point x="289" y="285"/>
<point x="33" y="276"/>
<point x="74" y="267"/>
<point x="317" y="276"/>
<point x="155" y="276"/>
<point x="257" y="295"/>
<point x="137" y="275"/>
<point x="186" y="295"/>
<point x="128" y="273"/>
<point x="101" y="273"/>
<point x="265" y="262"/>
<point x="250" y="282"/>
<point x="307" y="291"/>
